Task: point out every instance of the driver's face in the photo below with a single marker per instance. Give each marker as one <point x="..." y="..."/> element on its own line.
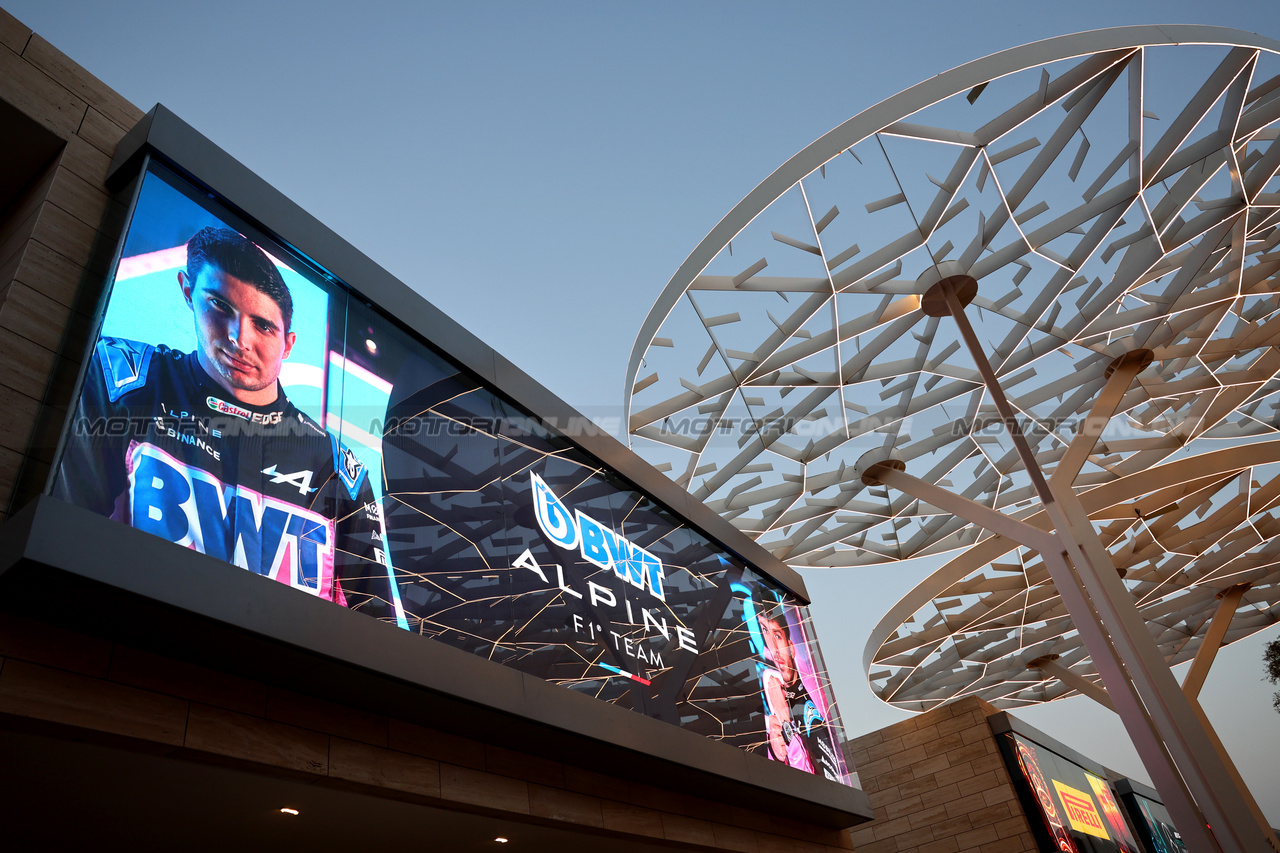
<point x="241" y="334"/>
<point x="778" y="642"/>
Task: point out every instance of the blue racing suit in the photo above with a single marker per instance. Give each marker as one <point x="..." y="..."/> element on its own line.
<point x="157" y="444"/>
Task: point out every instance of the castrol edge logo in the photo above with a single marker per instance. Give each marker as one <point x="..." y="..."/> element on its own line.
<point x="222" y="407"/>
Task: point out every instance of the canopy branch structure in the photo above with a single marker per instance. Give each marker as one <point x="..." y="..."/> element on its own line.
<point x="1025" y="312"/>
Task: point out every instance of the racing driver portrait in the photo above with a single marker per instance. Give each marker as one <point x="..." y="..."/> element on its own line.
<point x="797" y="733"/>
<point x="204" y="449"/>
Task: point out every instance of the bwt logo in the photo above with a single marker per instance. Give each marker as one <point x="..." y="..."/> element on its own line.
<point x="191" y="507"/>
<point x="600" y="546"/>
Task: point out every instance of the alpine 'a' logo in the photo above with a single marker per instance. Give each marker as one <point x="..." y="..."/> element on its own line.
<point x="301" y="480"/>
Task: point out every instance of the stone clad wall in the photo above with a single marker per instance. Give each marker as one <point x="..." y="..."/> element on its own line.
<point x="48" y="235"/>
<point x="60" y="682"/>
<point x="938" y="784"/>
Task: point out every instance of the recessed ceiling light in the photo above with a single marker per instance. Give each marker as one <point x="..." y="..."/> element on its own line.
<point x="500" y="840"/>
<point x="289" y="811"/>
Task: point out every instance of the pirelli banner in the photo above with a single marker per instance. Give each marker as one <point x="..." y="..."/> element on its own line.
<point x="1077" y="809"/>
<point x="238" y="401"/>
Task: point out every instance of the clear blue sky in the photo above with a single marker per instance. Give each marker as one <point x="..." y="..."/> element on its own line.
<point x="539" y="171"/>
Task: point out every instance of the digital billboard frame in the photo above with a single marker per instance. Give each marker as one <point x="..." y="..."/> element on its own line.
<point x="1081" y="813"/>
<point x="1149" y="817"/>
<point x="605" y="730"/>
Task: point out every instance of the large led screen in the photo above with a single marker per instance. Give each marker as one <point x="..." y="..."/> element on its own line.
<point x="1077" y="808"/>
<point x="1153" y="823"/>
<point x="240" y="403"/>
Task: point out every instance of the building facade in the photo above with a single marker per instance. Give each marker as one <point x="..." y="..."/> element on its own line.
<point x="148" y="690"/>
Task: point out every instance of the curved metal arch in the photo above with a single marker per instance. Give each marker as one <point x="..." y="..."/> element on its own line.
<point x="784" y="516"/>
<point x="906" y="103"/>
<point x="1215" y="465"/>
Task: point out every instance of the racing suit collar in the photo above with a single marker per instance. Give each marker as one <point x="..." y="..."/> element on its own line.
<point x="217" y="397"/>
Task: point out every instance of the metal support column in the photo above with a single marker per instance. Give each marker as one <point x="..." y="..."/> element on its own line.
<point x="1048" y="664"/>
<point x="1192" y="778"/>
<point x="1228" y="601"/>
<point x="1138" y="723"/>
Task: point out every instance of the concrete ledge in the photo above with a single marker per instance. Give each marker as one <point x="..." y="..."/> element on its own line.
<point x="117" y="583"/>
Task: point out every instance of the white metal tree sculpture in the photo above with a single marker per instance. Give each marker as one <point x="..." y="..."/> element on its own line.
<point x="1026" y="308"/>
<point x="1192" y="538"/>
